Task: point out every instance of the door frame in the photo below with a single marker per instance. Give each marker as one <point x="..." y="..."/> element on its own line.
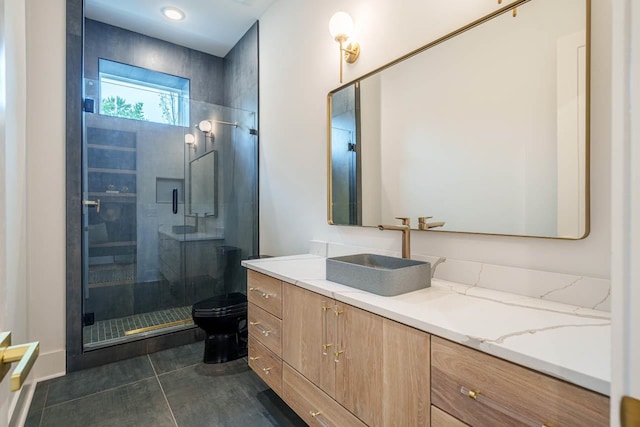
<point x="625" y="201"/>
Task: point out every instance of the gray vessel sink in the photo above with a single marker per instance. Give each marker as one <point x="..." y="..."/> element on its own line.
<point x="379" y="274"/>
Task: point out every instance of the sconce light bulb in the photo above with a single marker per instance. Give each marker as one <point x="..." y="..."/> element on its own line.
<point x="205" y="126"/>
<point x="189" y="139"/>
<point x="341" y="25"/>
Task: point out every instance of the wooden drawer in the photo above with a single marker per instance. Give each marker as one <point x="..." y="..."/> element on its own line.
<point x="440" y="418"/>
<point x="266" y="364"/>
<point x="265" y="292"/>
<point x="265" y="328"/>
<point x="508" y="394"/>
<point x="314" y="406"/>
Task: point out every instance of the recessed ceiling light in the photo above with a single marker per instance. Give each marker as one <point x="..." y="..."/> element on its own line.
<point x="173" y="13"/>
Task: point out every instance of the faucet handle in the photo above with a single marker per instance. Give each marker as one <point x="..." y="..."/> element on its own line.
<point x="423" y="219"/>
<point x="405" y="220"/>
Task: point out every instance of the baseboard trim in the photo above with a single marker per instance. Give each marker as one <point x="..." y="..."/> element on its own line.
<point x="49" y="365"/>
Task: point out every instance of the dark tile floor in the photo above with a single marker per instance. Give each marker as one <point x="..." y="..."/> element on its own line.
<point x="168" y="388"/>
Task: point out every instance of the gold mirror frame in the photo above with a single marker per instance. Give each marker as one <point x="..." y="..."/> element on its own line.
<point x="480" y="21"/>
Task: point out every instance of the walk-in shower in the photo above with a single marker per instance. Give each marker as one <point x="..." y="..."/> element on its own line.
<point x="168" y="216"/>
<point x="163" y="162"/>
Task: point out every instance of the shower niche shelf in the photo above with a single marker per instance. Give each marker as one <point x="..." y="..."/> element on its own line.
<point x="111" y="159"/>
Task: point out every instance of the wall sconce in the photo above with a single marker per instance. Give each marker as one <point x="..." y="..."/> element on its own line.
<point x="340" y="27"/>
<point x="190" y="140"/>
<point x="206" y="127"/>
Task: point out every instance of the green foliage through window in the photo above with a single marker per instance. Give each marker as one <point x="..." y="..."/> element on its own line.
<point x="119" y="107"/>
<point x="136" y="93"/>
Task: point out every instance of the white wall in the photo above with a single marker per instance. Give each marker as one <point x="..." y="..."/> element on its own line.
<point x="299" y="66"/>
<point x="46" y="182"/>
<point x="13" y="106"/>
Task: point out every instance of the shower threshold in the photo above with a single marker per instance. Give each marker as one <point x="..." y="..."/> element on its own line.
<point x="105" y="333"/>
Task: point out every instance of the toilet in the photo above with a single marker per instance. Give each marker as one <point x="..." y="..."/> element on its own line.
<point x="224" y="320"/>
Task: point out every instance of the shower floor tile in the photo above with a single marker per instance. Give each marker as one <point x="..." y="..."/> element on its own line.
<point x="111" y="331"/>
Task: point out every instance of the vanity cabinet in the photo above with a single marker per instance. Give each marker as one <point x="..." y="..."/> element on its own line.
<point x="480" y="389"/>
<point x="375" y="368"/>
<point x="339" y="365"/>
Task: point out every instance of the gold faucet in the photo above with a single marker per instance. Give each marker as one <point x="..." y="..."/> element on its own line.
<point x="424" y="225"/>
<point x="406" y="235"/>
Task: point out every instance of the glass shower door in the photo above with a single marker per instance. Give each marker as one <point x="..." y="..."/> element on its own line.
<point x="133" y="176"/>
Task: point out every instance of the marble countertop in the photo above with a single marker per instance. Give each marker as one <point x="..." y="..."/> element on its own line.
<point x="564" y="341"/>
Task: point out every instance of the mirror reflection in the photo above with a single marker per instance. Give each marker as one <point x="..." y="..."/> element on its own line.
<point x="203" y="185"/>
<point x="486" y="131"/>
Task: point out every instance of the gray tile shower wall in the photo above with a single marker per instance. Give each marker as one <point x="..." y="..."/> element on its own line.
<point x="241" y="195"/>
<point x="205" y="72"/>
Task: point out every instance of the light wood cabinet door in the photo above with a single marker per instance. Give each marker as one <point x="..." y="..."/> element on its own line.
<point x="482" y="390"/>
<point x="308" y="332"/>
<point x="359" y="363"/>
<point x="314" y="406"/>
<point x="439" y="418"/>
<point x="406" y="375"/>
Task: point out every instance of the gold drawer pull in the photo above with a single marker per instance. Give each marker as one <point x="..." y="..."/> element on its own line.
<point x="263" y="294"/>
<point x="255" y="359"/>
<point x="483" y="400"/>
<point x="317" y="416"/>
<point x="262" y="330"/>
<point x="25" y="354"/>
<point x="337" y="355"/>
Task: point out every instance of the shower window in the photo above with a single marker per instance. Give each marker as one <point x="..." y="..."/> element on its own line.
<point x="140" y="94"/>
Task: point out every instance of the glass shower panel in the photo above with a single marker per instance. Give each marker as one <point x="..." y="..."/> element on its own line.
<point x="222" y="183"/>
<point x="169" y="212"/>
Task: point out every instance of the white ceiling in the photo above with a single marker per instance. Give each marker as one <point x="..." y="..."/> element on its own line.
<point x="211" y="26"/>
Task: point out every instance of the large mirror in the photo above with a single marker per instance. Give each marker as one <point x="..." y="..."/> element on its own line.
<point x="485" y="129"/>
<point x="203" y="195"/>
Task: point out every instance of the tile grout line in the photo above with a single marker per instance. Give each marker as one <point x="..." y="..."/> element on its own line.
<point x="163" y="393"/>
<point x="97" y="392"/>
<point x="44" y="405"/>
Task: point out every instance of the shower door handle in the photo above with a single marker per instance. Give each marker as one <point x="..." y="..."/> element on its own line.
<point x="95" y="203"/>
<point x="175" y="200"/>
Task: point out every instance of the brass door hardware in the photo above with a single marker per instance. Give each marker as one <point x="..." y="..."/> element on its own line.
<point x="25" y="354"/>
<point x="325" y="345"/>
<point x="629" y="412"/>
<point x="95" y="203"/>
